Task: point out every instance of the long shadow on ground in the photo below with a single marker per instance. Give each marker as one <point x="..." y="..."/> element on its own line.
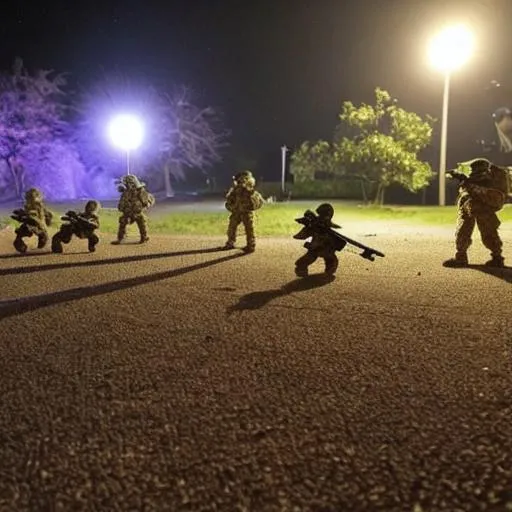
<point x="19" y="306"/>
<point x="106" y="261"/>
<point x="257" y="300"/>
<point x="504" y="273"/>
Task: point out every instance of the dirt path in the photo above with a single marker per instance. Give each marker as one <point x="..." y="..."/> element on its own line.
<point x="175" y="377"/>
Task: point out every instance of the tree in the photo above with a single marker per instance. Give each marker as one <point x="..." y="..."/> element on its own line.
<point x="193" y="136"/>
<point x="385" y="150"/>
<point x="32" y="111"/>
<point x="312" y="158"/>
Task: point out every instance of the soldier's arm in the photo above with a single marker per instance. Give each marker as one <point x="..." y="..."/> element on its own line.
<point x="146" y="198"/>
<point x="94" y="220"/>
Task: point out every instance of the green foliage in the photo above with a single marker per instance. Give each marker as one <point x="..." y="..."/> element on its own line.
<point x="345" y="189"/>
<point x="311" y="158"/>
<point x="379" y="144"/>
<point x="386" y="148"/>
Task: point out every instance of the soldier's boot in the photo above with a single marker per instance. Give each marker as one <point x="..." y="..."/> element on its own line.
<point x="496" y="261"/>
<point x="121" y="232"/>
<point x="460" y="260"/>
<point x="42" y="240"/>
<point x="330" y="267"/>
<point x="92" y="242"/>
<point x="20" y="245"/>
<point x="56" y="244"/>
<point x="143" y="231"/>
<point x="250" y="247"/>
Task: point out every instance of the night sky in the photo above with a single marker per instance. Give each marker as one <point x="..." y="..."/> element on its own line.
<point x="279" y="69"/>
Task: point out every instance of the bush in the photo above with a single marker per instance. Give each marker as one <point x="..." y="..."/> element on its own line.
<point x="341" y="189"/>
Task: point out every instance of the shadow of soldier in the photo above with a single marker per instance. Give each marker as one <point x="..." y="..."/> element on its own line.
<point x="19" y="306"/>
<point x="94" y="262"/>
<point x="504" y="273"/>
<point x="257" y="300"/>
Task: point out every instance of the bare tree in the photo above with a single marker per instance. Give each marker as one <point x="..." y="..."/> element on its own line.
<point x="31" y="112"/>
<point x="193" y="136"/>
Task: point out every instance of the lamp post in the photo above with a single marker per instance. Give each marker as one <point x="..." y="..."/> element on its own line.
<point x="284" y="149"/>
<point x="126" y="133"/>
<point x="449" y="50"/>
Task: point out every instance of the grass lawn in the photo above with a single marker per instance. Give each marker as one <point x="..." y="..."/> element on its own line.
<point x="277" y="219"/>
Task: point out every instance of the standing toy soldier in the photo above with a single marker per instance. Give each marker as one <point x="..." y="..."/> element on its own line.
<point x="242" y="200"/>
<point x="482" y="193"/>
<point x="34" y="218"/>
<point x="82" y="225"/>
<point x="134" y="201"/>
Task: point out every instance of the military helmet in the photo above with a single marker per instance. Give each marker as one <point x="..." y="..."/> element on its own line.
<point x="33" y="194"/>
<point x="477" y="165"/>
<point x="132" y="180"/>
<point x="243" y="175"/>
<point x="325" y="210"/>
<point x="92" y="206"/>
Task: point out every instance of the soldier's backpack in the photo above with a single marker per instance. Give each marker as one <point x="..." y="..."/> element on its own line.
<point x="500" y="179"/>
<point x="257" y="200"/>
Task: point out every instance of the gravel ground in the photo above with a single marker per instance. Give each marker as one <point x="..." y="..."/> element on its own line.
<point x="172" y="377"/>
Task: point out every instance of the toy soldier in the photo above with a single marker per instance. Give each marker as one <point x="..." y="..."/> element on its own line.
<point x="482" y="193"/>
<point x="34" y="218"/>
<point x="242" y="200"/>
<point x="81" y="224"/>
<point x="325" y="242"/>
<point x="134" y="201"/>
<point x="322" y="245"/>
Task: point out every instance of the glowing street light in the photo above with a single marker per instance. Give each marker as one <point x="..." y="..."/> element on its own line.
<point x="126" y="132"/>
<point x="449" y="51"/>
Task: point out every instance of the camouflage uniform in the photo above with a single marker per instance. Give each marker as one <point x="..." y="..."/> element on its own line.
<point x="135" y="199"/>
<point x="82" y="225"/>
<point x="321" y="246"/>
<point x="480" y="197"/>
<point x="241" y="200"/>
<point x="39" y="218"/>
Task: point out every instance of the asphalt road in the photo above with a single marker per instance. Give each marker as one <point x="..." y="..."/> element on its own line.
<point x="172" y="376"/>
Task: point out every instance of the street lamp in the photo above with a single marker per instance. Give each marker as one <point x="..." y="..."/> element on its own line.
<point x="284" y="149"/>
<point x="449" y="50"/>
<point x="126" y="132"/>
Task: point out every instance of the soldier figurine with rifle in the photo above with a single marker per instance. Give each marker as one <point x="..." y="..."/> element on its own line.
<point x="82" y="225"/>
<point x="34" y="218"/>
<point x="483" y="190"/>
<point x="325" y="242"/>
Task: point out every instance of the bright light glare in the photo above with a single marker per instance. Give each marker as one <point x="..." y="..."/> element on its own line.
<point x="451" y="48"/>
<point x="126" y="132"/>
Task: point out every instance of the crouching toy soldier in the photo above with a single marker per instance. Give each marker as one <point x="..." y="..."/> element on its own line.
<point x="82" y="225"/>
<point x="134" y="201"/>
<point x="322" y="244"/>
<point x="34" y="218"/>
<point x="242" y="200"/>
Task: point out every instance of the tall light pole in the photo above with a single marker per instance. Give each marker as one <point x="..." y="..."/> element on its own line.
<point x="126" y="133"/>
<point x="449" y="50"/>
<point x="284" y="149"/>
